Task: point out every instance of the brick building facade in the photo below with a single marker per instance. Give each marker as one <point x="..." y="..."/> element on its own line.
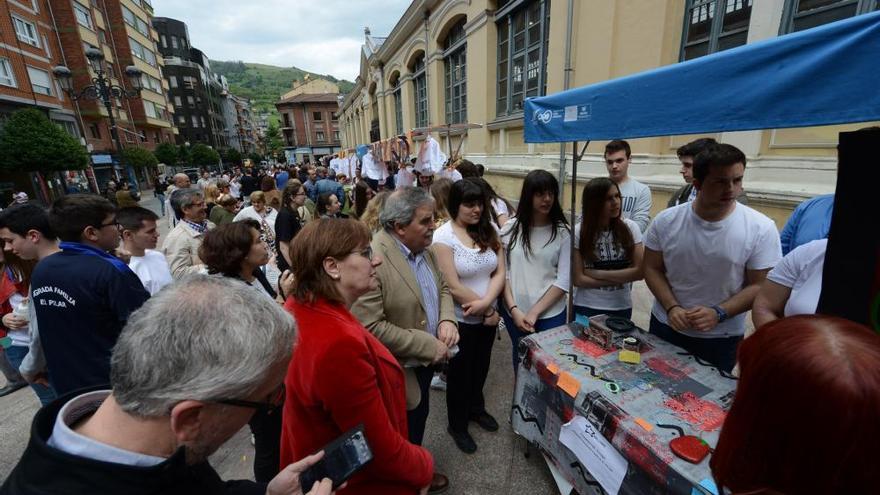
<point x="309" y="126"/>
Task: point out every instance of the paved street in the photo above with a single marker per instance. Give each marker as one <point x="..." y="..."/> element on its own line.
<point x="497" y="467"/>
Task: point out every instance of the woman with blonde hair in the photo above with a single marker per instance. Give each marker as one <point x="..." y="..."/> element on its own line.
<point x="212" y="192"/>
<point x="264" y="214"/>
<point x="370" y="218"/>
<point x="440" y="191"/>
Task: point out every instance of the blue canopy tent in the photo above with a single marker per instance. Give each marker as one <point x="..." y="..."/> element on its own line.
<point x="819" y="76"/>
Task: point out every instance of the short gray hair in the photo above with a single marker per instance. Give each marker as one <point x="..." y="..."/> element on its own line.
<point x="201" y="338"/>
<point x="183" y="198"/>
<point x="401" y="206"/>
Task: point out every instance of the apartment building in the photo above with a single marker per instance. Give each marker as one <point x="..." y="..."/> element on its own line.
<point x="309" y="123"/>
<point x="196" y="92"/>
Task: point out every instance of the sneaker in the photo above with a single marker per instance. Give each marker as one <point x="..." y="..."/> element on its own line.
<point x="438" y="383"/>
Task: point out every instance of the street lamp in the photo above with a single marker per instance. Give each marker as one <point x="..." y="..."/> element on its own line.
<point x="102" y="88"/>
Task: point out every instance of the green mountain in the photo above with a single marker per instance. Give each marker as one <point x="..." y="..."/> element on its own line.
<point x="264" y="84"/>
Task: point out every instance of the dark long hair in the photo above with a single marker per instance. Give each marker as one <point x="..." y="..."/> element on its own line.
<point x="491" y="196"/>
<point x="468" y="191"/>
<point x="536" y="182"/>
<point x="593" y="204"/>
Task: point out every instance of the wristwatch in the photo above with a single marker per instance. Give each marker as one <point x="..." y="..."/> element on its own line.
<point x="722" y="315"/>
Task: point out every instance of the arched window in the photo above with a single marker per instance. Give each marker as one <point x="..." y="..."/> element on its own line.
<point x="420" y="84"/>
<point x="398" y="104"/>
<point x="454" y="58"/>
<point x="523" y="34"/>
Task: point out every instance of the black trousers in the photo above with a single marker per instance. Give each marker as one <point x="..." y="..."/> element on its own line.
<point x="416" y="418"/>
<point x="467" y="374"/>
<point x="267" y="445"/>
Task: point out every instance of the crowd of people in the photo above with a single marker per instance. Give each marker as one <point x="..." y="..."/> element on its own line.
<point x="304" y="304"/>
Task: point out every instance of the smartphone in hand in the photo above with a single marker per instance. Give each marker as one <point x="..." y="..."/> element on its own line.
<point x="343" y="457"/>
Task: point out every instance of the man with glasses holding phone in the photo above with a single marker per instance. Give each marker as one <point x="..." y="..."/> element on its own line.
<point x="174" y="400"/>
<point x="83" y="295"/>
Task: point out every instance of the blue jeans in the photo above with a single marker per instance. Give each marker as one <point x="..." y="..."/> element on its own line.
<point x="590" y="312"/>
<point x="516" y="334"/>
<point x="16" y="355"/>
<point x="720" y="352"/>
<point x="161" y="198"/>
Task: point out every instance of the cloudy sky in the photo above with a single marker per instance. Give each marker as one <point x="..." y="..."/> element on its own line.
<point x="321" y="36"/>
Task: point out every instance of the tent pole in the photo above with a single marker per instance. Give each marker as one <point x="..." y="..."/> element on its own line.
<point x="566" y="83"/>
<point x="575" y="158"/>
<point x="573" y="204"/>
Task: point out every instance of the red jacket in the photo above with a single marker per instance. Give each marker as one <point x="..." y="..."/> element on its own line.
<point x="340" y="376"/>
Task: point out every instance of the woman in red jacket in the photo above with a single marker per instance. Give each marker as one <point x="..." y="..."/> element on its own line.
<point x="340" y="375"/>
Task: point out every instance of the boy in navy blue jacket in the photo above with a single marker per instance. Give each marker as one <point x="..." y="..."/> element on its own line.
<point x="83" y="295"/>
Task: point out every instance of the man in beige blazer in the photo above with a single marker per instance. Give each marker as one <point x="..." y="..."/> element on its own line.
<point x="411" y="311"/>
<point x="181" y="246"/>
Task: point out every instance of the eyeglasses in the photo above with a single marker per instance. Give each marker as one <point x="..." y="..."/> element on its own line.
<point x="300" y="194"/>
<point x="366" y="253"/>
<point x="111" y="222"/>
<point x="276" y="400"/>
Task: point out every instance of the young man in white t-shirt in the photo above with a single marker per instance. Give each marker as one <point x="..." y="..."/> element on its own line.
<point x="705" y="261"/>
<point x="139" y="239"/>
<point x="635" y="197"/>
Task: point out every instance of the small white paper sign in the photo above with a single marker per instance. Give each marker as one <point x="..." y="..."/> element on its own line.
<point x="571" y="114"/>
<point x="595" y="453"/>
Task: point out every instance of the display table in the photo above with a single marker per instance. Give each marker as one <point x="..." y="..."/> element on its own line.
<point x="623" y="415"/>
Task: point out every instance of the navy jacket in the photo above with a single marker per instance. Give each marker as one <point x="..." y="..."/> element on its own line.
<point x="82" y="302"/>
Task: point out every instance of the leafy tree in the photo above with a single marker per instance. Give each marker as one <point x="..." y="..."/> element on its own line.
<point x="231" y="155"/>
<point x="201" y="155"/>
<point x="274" y="145"/>
<point x="256" y="158"/>
<point x="139" y="157"/>
<point x="31" y="142"/>
<point x="167" y="153"/>
<point x="183" y="154"/>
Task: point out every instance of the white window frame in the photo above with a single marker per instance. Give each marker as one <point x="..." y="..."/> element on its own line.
<point x="83" y="10"/>
<point x="7" y="79"/>
<point x="150" y="109"/>
<point x="31" y="38"/>
<point x="48" y="89"/>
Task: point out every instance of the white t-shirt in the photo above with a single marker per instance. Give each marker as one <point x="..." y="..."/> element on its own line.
<point x="611" y="297"/>
<point x="706" y="262"/>
<point x="635" y="202"/>
<point x="547" y="265"/>
<point x="152" y="269"/>
<point x="500" y="207"/>
<point x="474" y="268"/>
<point x="801" y="271"/>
